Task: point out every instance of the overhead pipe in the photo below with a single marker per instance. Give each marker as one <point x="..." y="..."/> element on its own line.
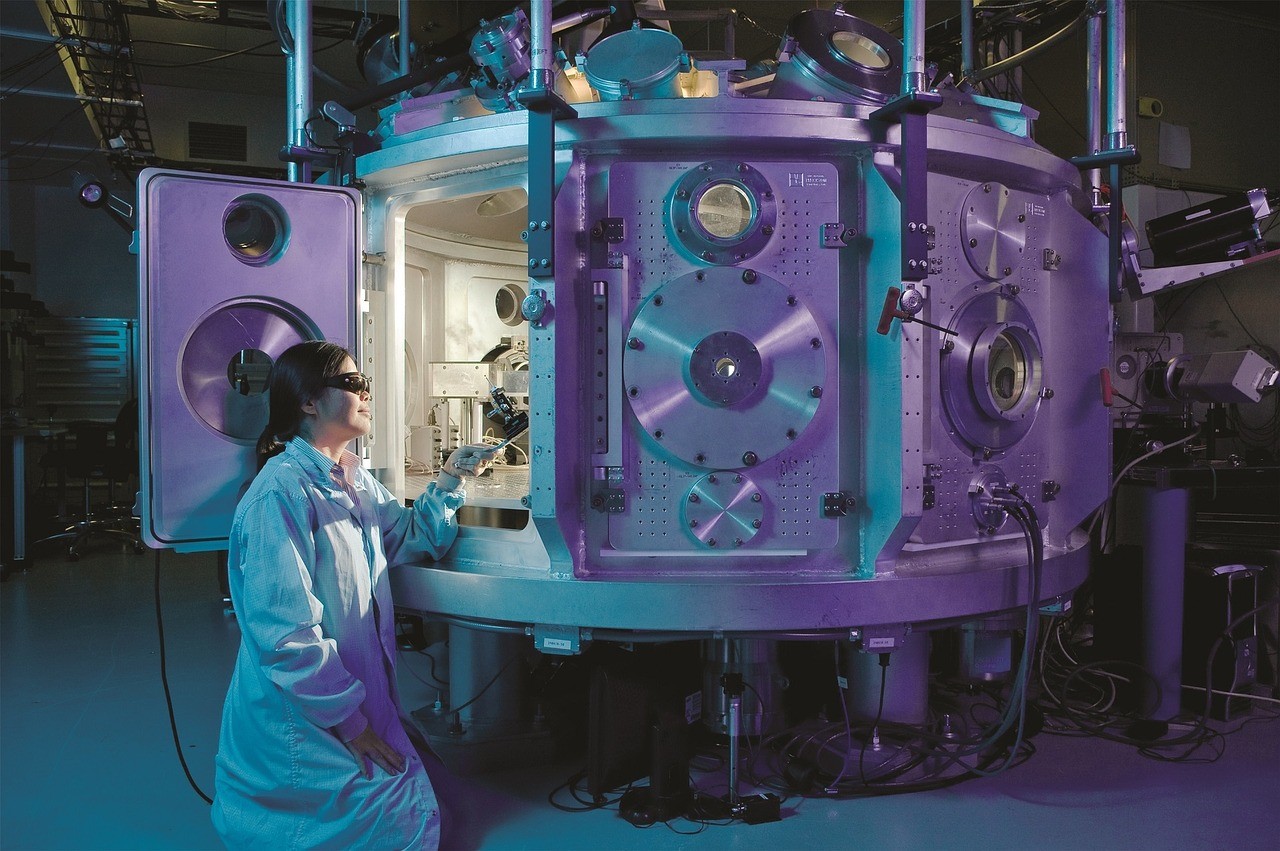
<point x="1023" y="55"/>
<point x="297" y="48"/>
<point x="966" y="39"/>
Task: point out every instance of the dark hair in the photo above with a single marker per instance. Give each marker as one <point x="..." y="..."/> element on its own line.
<point x="296" y="376"/>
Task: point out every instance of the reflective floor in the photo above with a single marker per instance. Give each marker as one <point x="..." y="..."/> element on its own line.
<point x="87" y="759"/>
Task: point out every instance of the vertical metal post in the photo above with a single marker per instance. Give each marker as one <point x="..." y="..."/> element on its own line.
<point x="966" y="39"/>
<point x="913" y="78"/>
<point x="1165" y="512"/>
<point x="540" y="44"/>
<point x="1117" y="122"/>
<point x="298" y="19"/>
<point x="544" y="106"/>
<point x="735" y="716"/>
<point x="1117" y="137"/>
<point x="1093" y="103"/>
<point x="910" y="110"/>
<point x="406" y="42"/>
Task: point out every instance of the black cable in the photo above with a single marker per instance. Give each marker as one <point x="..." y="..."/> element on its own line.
<point x="587" y="806"/>
<point x="1051" y="104"/>
<point x="35" y="142"/>
<point x="1217" y="285"/>
<point x="168" y="698"/>
<point x="875" y="725"/>
<point x="487" y="685"/>
<point x="49" y="174"/>
<point x="247" y="51"/>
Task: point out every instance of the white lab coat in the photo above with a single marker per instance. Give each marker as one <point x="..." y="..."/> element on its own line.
<point x="308" y="575"/>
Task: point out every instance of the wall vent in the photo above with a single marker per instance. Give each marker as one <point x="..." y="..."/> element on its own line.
<point x="225" y="142"/>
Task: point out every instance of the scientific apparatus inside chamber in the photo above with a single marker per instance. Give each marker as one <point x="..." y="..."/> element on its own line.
<point x="467" y="347"/>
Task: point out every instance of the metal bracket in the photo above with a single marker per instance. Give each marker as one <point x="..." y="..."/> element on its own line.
<point x="560" y="640"/>
<point x="836" y="235"/>
<point x="910" y="110"/>
<point x="609" y="500"/>
<point x="884" y="638"/>
<point x="1049" y="490"/>
<point x="611" y="229"/>
<point x="1052" y="260"/>
<point x="838" y="504"/>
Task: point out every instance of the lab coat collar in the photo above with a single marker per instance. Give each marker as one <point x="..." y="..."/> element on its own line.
<point x="321" y="468"/>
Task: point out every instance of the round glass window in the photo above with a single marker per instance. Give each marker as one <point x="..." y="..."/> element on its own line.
<point x="255" y="229"/>
<point x="724" y="210"/>
<point x="507" y="304"/>
<point x="248" y="371"/>
<point x="1006" y="371"/>
<point x="860" y="50"/>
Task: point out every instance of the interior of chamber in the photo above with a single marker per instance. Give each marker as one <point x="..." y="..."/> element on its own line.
<point x="465" y="280"/>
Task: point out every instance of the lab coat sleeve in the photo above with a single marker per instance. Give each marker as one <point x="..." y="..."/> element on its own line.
<point x="280" y="616"/>
<point x="429" y="527"/>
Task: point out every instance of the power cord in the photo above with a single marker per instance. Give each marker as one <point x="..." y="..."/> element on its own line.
<point x="168" y="698"/>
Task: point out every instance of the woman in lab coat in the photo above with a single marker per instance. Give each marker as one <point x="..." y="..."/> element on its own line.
<point x="315" y="750"/>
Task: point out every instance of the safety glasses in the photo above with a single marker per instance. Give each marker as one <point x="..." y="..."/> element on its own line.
<point x="353" y="382"/>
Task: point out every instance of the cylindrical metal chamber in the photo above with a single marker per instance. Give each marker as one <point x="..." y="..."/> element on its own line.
<point x="720" y="442"/>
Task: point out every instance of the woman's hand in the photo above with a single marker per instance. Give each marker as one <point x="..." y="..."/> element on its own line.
<point x="368" y="749"/>
<point x="469" y="460"/>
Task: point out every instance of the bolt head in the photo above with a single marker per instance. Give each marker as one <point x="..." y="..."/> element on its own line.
<point x="749" y="458"/>
<point x="755" y="497"/>
<point x="756" y="524"/>
<point x="711" y="542"/>
<point x="815" y="391"/>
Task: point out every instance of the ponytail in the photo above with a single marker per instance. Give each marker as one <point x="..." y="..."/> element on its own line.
<point x="297" y="376"/>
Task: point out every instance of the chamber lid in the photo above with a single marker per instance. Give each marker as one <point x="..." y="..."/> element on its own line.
<point x="848" y="53"/>
<point x="642" y="57"/>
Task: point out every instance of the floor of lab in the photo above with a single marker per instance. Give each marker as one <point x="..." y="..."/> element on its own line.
<point x="88" y="760"/>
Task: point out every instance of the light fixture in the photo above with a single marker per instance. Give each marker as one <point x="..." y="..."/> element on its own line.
<point x="90" y="190"/>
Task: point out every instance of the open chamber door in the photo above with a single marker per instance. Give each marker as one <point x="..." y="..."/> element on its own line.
<point x="232" y="271"/>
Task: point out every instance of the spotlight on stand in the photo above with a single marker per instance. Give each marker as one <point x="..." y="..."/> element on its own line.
<point x="89" y="190"/>
<point x="92" y="192"/>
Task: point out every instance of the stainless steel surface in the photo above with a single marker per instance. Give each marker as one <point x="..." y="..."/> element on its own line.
<point x="208" y="293"/>
<point x="1117" y="80"/>
<point x="298" y="17"/>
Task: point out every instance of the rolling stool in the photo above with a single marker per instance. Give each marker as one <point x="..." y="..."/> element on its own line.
<point x="93" y="455"/>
